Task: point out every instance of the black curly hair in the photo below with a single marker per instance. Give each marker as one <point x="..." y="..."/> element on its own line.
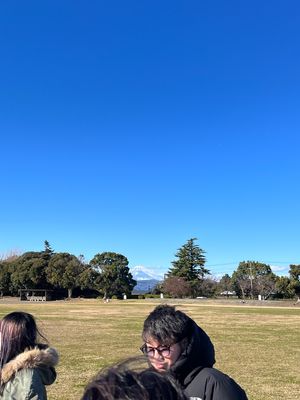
<point x="167" y="325"/>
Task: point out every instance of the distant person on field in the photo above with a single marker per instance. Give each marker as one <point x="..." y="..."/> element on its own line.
<point x="175" y="343"/>
<point x="26" y="365"/>
<point x="122" y="383"/>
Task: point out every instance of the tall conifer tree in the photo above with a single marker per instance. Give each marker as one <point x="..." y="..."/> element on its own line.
<point x="190" y="262"/>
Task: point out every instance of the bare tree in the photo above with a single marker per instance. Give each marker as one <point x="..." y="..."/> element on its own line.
<point x="177" y="286"/>
<point x="10" y="255"/>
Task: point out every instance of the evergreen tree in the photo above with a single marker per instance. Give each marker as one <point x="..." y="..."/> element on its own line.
<point x="5" y="277"/>
<point x="64" y="270"/>
<point x="48" y="251"/>
<point x="284" y="287"/>
<point x="190" y="262"/>
<point x="295" y="279"/>
<point x="115" y="279"/>
<point x="29" y="271"/>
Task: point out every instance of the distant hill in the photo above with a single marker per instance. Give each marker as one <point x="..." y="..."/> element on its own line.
<point x="145" y="286"/>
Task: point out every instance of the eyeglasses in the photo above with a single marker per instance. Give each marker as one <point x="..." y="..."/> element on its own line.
<point x="163" y="351"/>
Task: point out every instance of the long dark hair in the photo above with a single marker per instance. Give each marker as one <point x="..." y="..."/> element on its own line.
<point x="18" y="333"/>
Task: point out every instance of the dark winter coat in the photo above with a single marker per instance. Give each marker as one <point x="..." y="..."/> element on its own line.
<point x="26" y="375"/>
<point x="200" y="381"/>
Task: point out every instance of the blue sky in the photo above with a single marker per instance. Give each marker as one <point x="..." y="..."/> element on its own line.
<point x="134" y="126"/>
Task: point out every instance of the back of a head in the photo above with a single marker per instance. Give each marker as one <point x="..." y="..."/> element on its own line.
<point x="161" y="386"/>
<point x="18" y="332"/>
<point x="167" y="325"/>
<point x="120" y="383"/>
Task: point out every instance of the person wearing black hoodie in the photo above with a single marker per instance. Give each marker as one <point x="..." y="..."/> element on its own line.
<point x="175" y="343"/>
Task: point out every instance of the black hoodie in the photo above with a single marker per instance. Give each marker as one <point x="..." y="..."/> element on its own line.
<point x="194" y="371"/>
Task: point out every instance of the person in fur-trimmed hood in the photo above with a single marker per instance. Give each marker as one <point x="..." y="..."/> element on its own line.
<point x="25" y="365"/>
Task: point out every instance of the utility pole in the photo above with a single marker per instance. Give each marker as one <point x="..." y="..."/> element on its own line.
<point x="251" y="280"/>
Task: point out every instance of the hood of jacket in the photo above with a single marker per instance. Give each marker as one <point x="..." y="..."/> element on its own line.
<point x="43" y="358"/>
<point x="198" y="352"/>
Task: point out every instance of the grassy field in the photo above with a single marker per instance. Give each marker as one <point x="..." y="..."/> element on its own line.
<point x="258" y="346"/>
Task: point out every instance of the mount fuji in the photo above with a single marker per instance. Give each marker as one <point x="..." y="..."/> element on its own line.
<point x="146" y="279"/>
<point x="141" y="273"/>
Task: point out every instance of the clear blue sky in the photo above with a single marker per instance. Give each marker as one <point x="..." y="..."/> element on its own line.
<point x="132" y="126"/>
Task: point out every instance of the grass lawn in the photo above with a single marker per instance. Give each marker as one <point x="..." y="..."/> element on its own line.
<point x="258" y="346"/>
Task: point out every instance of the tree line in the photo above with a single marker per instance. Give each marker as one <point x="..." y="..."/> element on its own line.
<point x="188" y="277"/>
<point x="108" y="274"/>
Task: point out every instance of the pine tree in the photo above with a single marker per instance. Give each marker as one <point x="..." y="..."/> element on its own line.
<point x="190" y="262"/>
<point x="48" y="249"/>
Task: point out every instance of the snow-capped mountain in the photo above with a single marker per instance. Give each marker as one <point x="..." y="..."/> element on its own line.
<point x="141" y="273"/>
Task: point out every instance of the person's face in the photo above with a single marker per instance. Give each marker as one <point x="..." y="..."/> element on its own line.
<point x="160" y="356"/>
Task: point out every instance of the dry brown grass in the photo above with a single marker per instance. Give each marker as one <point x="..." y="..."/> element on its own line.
<point x="258" y="346"/>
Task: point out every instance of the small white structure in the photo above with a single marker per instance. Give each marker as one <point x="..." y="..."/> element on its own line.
<point x="228" y="293"/>
<point x="35" y="294"/>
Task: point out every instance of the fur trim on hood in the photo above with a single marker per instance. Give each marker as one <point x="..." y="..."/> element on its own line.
<point x="37" y="357"/>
